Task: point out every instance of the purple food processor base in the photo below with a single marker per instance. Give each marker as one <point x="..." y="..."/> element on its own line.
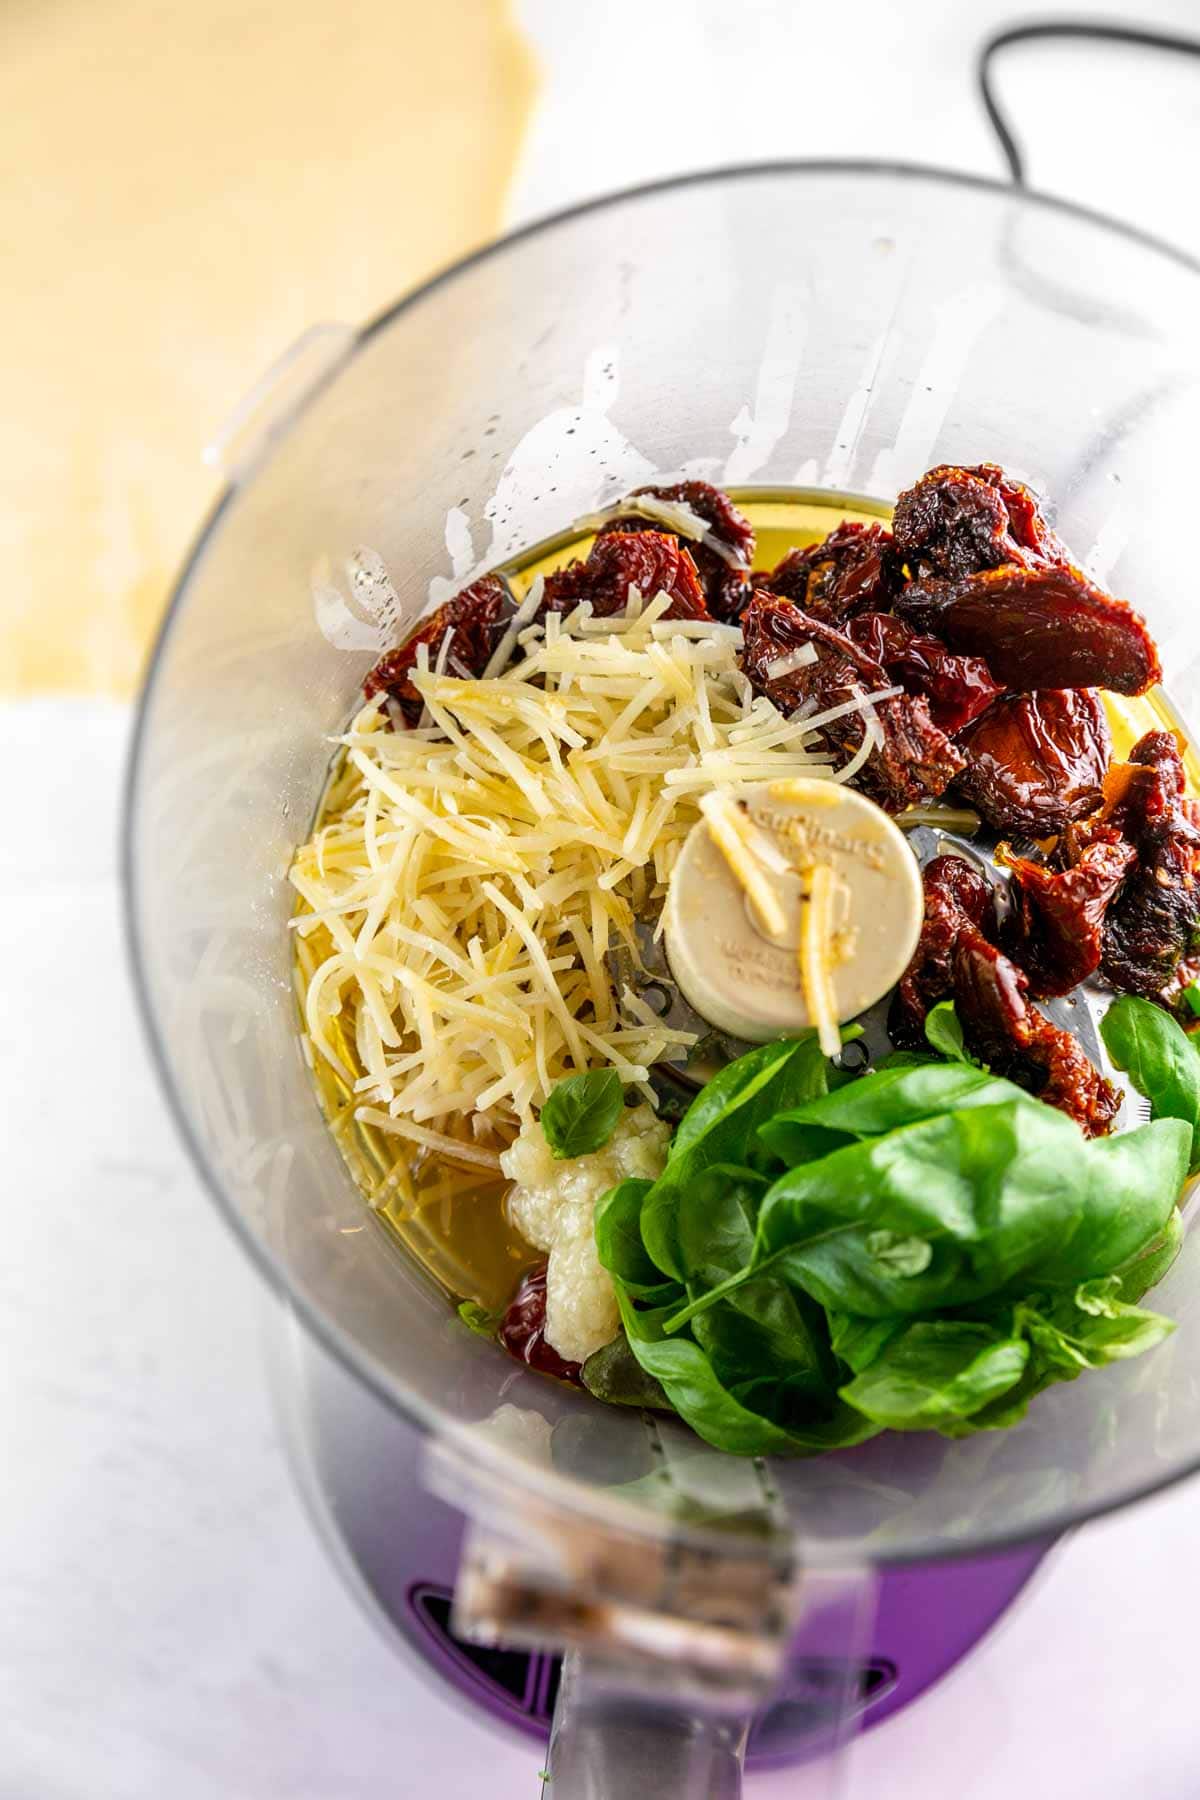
<point x="928" y="1616"/>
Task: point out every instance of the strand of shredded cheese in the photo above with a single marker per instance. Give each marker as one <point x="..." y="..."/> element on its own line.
<point x="816" y="955"/>
<point x="746" y="849"/>
<point x="790" y="661"/>
<point x="525" y="613"/>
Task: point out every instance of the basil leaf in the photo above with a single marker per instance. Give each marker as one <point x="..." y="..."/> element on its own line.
<point x="901" y="1255"/>
<point x="716" y="1221"/>
<point x="1066" y="1336"/>
<point x="1001" y="1182"/>
<point x="721" y="1126"/>
<point x="1101" y="1298"/>
<point x="478" y="1319"/>
<point x="1008" y="1409"/>
<point x="1147" y="1268"/>
<point x="619" y="1240"/>
<point x="1129" y="1185"/>
<point x="839" y="1269"/>
<point x="1191" y="995"/>
<point x="857" y="1341"/>
<point x="936" y="1372"/>
<point x="613" y="1373"/>
<point x="581" y="1112"/>
<point x="898" y="1093"/>
<point x="1069" y="1338"/>
<point x="943" y="1031"/>
<point x="1159" y="1058"/>
<point x="760" y="1076"/>
<point x="692" y="1387"/>
<point x="763" y="1326"/>
<point x="717" y="1415"/>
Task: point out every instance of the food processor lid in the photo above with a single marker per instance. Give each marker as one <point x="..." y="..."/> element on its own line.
<point x="907" y="316"/>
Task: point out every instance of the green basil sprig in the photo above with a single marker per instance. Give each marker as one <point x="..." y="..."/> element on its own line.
<point x="581" y="1112"/>
<point x="926" y="1246"/>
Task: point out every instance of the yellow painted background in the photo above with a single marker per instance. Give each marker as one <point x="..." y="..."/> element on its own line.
<point x="186" y="188"/>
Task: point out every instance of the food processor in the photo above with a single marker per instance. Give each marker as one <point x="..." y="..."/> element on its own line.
<point x="666" y="1614"/>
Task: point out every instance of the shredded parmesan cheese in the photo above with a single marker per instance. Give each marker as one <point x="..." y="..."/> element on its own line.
<point x="816" y="956"/>
<point x="459" y="898"/>
<point x="746" y="850"/>
<point x="453" y="1149"/>
<point x="439" y="668"/>
<point x="872" y="740"/>
<point x="792" y="660"/>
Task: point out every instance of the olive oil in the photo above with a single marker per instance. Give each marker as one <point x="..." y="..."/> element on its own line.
<point x="451" y="1218"/>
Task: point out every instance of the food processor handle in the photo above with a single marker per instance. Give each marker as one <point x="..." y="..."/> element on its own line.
<point x="672" y="1645"/>
<point x="607" y="1743"/>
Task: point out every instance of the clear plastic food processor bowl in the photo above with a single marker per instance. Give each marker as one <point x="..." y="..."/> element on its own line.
<point x="815" y="326"/>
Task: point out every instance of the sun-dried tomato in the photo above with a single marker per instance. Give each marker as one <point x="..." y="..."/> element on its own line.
<point x="1026" y="520"/>
<point x="523" y="1330"/>
<point x="912" y="761"/>
<point x="958" y="688"/>
<point x="1152" y="930"/>
<point x="854" y="568"/>
<point x="959" y="959"/>
<point x="728" y="591"/>
<point x="651" y="561"/>
<point x="955" y="522"/>
<point x="725" y="579"/>
<point x="1015" y="1040"/>
<point x="1037" y="761"/>
<point x="915" y="762"/>
<point x="477" y="617"/>
<point x="956" y="895"/>
<point x="1056" y="927"/>
<point x="1037" y="627"/>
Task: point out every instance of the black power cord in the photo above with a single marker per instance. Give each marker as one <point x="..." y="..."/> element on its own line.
<point x="1038" y="30"/>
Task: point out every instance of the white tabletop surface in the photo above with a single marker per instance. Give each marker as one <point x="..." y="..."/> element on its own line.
<point x="169" y="1625"/>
